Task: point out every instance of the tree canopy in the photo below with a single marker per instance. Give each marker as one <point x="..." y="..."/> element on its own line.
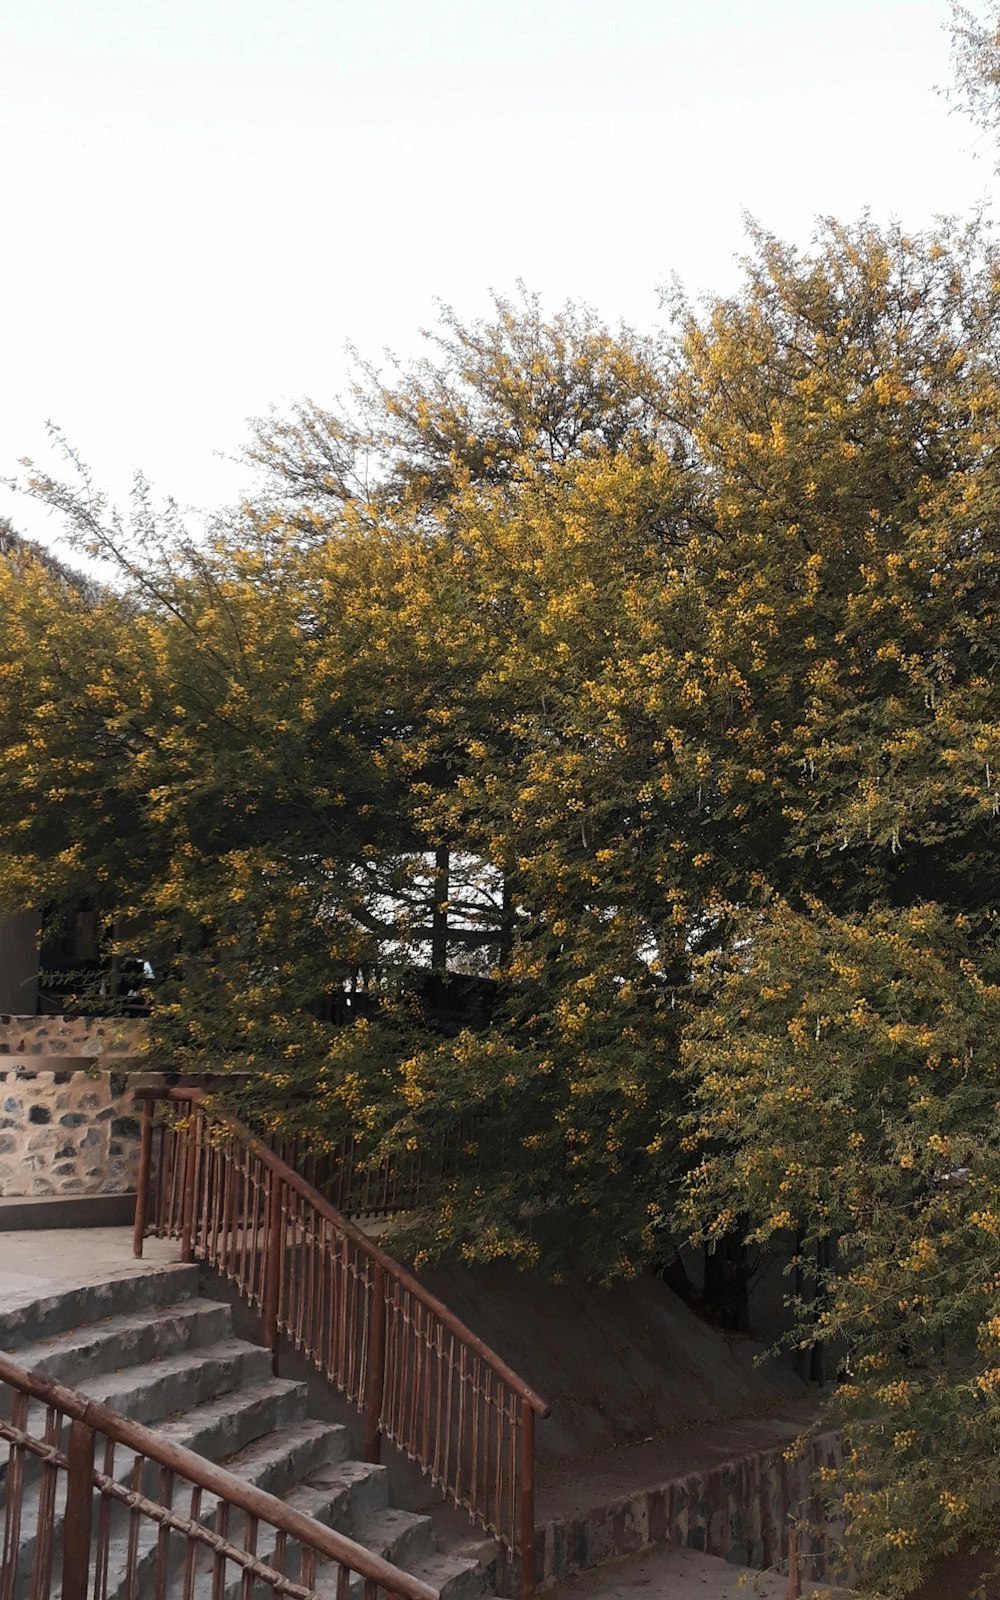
<point x="578" y="759"/>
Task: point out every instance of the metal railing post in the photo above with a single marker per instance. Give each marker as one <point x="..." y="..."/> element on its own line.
<point x="142" y="1180"/>
<point x="79" y="1510"/>
<point x="190" y="1185"/>
<point x="794" y="1584"/>
<point x="375" y="1374"/>
<point x="527" y="1501"/>
<point x="273" y="1267"/>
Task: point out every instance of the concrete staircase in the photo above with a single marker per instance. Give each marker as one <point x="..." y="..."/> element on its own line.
<point x="152" y="1347"/>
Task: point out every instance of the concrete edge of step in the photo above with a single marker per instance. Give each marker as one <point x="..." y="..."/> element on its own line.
<point x="24" y="1213"/>
<point x="74" y="1355"/>
<point x="49" y="1314"/>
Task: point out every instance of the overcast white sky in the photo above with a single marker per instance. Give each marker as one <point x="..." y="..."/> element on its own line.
<point x="204" y="200"/>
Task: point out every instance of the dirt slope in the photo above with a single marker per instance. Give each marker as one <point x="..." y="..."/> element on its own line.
<point x="616" y="1365"/>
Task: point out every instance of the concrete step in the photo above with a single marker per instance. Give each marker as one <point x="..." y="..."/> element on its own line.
<point x="275" y="1441"/>
<point x="281" y="1459"/>
<point x="78" y="1355"/>
<point x="399" y="1536"/>
<point x="454" y="1577"/>
<point x="31" y="1323"/>
<point x="231" y="1422"/>
<point x="176" y="1383"/>
<point x="402" y="1537"/>
<point x="342" y="1494"/>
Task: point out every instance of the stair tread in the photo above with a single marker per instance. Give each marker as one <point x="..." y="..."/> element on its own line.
<point x="437" y="1571"/>
<point x="88" y="1334"/>
<point x="91" y="1303"/>
<point x="391" y="1519"/>
<point x="181" y="1424"/>
<point x="249" y="1462"/>
<point x="178" y="1362"/>
<point x="383" y="1532"/>
<point x="347" y="1471"/>
<point x="320" y="1491"/>
<point x="177" y="1429"/>
<point x="440" y="1567"/>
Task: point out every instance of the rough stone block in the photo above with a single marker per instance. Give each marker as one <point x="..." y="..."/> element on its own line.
<point x="67" y="1129"/>
<point x="46" y="1140"/>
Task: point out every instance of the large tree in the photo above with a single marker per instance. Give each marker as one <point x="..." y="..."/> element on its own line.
<point x="842" y="1044"/>
<point x="648" y="688"/>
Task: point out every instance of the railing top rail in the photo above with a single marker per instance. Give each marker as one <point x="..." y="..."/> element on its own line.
<point x="392" y="1268"/>
<point x="216" y="1480"/>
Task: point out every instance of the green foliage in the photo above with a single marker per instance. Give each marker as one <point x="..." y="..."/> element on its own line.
<point x="848" y="1088"/>
<point x="645" y="693"/>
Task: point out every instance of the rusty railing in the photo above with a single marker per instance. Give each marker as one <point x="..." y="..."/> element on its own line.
<point x="420" y="1378"/>
<point x="359" y="1189"/>
<point x="97" y="1507"/>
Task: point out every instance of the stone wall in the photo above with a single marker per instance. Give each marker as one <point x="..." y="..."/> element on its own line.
<point x="88" y="1038"/>
<point x="69" y="1132"/>
<point x="740" y="1509"/>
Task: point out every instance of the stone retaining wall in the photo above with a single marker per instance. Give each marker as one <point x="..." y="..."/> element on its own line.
<point x="24" y="1038"/>
<point x="70" y="1132"/>
<point x="740" y="1510"/>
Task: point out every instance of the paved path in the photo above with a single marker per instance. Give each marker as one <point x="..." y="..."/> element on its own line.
<point x="669" y="1573"/>
<point x="46" y="1261"/>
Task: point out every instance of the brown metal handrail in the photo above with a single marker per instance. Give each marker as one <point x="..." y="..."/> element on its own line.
<point x="358" y="1187"/>
<point x="132" y="1533"/>
<point x="420" y="1377"/>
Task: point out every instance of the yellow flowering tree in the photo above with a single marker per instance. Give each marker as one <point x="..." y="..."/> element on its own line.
<point x="579" y="758"/>
<point x="842" y="1041"/>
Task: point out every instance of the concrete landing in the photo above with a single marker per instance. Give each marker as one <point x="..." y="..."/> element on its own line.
<point x="725" y="1490"/>
<point x="567" y="1491"/>
<point x="675" y="1574"/>
<point x="35" y="1265"/>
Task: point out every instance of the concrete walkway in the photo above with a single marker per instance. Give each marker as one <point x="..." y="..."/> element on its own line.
<point x="39" y="1263"/>
<point x="674" y="1574"/>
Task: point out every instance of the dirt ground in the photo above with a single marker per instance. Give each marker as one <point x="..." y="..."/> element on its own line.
<point x="957" y="1578"/>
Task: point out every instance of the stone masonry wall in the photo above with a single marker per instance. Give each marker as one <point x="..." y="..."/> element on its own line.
<point x="86" y="1037"/>
<point x="67" y="1132"/>
<point x="739" y="1509"/>
<point x="69" y="1124"/>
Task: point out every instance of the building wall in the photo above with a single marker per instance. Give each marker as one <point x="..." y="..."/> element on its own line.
<point x="19" y="962"/>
